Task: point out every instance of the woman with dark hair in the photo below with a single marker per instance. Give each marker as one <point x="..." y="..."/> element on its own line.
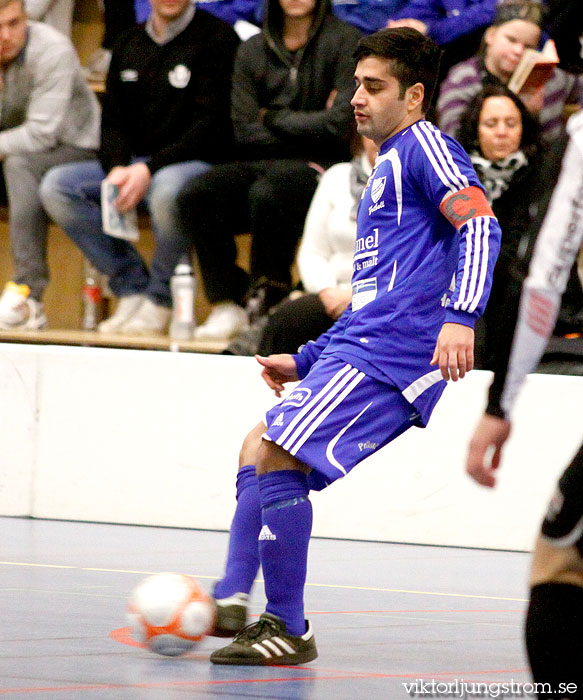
<point x="502" y="140"/>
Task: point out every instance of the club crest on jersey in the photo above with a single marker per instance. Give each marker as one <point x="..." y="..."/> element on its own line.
<point x="378" y="187"/>
<point x="298" y="397"/>
<point x="179" y="77"/>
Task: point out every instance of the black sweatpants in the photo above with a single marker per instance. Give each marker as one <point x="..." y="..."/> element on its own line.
<point x="268" y="199"/>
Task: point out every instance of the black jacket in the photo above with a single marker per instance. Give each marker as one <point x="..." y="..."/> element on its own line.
<point x="170" y="103"/>
<point x="294" y="89"/>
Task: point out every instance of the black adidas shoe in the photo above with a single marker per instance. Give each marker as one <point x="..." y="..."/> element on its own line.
<point x="231" y="615"/>
<point x="267" y="643"/>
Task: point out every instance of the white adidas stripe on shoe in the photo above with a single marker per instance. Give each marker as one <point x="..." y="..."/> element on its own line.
<point x="267" y="643"/>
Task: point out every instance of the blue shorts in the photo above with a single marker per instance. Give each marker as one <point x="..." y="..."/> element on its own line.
<point x="336" y="417"/>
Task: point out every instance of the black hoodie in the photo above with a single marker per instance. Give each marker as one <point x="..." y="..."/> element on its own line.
<point x="295" y="88"/>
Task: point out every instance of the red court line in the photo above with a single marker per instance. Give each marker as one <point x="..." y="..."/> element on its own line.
<point x="342" y="675"/>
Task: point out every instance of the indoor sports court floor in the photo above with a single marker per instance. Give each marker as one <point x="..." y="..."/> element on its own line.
<point x="385" y="616"/>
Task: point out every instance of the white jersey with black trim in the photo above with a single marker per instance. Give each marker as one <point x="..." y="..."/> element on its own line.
<point x="425" y="251"/>
<point x="556" y="247"/>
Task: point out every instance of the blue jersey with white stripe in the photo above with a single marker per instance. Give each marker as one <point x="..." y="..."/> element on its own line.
<point x="425" y="252"/>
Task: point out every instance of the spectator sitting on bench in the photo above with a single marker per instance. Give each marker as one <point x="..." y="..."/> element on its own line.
<point x="324" y="262"/>
<point x="49" y="117"/>
<point x="291" y="114"/>
<point x="165" y="119"/>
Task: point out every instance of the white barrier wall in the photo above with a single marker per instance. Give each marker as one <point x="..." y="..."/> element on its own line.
<point x="152" y="438"/>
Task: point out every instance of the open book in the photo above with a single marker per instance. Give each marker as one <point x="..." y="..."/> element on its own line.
<point x="534" y="68"/>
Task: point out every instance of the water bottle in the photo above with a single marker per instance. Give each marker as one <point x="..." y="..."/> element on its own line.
<point x="182" y="286"/>
<point x="92" y="298"/>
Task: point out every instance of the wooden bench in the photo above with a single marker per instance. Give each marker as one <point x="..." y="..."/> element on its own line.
<point x="63" y="297"/>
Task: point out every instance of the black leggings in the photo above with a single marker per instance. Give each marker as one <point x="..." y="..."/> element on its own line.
<point x="555" y="613"/>
<point x="269" y="199"/>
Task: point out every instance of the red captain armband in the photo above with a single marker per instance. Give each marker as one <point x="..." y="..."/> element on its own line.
<point x="465" y="204"/>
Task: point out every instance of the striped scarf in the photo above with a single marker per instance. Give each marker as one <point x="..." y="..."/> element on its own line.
<point x="496" y="175"/>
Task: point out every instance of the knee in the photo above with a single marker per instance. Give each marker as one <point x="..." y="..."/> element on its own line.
<point x="53" y="189"/>
<point x="251" y="444"/>
<point x="262" y="193"/>
<point x="14" y="164"/>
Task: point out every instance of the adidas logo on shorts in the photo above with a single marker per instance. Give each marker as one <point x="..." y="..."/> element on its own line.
<point x="279" y="420"/>
<point x="266" y="534"/>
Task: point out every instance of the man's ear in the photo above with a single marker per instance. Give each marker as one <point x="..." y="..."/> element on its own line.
<point x="415" y="95"/>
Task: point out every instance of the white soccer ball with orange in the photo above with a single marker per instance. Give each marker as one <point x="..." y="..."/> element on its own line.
<point x="170" y="613"/>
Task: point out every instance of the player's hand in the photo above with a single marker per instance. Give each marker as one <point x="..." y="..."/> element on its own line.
<point x="485" y="449"/>
<point x="335" y="301"/>
<point x="133" y="182"/>
<point x="454" y="351"/>
<point x="277" y="371"/>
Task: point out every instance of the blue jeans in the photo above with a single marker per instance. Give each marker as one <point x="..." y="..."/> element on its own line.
<point x="71" y="196"/>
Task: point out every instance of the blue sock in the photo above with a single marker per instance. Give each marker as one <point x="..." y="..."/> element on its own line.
<point x="243" y="557"/>
<point x="283" y="544"/>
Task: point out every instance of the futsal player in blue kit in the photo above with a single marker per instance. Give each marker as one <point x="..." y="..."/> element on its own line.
<point x="425" y="251"/>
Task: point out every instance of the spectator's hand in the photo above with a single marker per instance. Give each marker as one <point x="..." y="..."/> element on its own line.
<point x="335" y="300"/>
<point x="486" y="449"/>
<point x="331" y="98"/>
<point x="533" y="99"/>
<point x="408" y="22"/>
<point x="133" y="182"/>
<point x="454" y="351"/>
<point x="277" y="371"/>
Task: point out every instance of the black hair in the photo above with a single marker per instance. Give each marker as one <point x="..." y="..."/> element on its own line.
<point x="414" y="58"/>
<point x="468" y="133"/>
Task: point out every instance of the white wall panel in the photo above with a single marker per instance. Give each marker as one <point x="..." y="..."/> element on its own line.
<point x="153" y="438"/>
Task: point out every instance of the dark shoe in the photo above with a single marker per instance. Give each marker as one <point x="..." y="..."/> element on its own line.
<point x="247" y="342"/>
<point x="264" y="295"/>
<point x="267" y="643"/>
<point x="231" y="615"/>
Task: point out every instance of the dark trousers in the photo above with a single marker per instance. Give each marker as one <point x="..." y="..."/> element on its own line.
<point x="269" y="199"/>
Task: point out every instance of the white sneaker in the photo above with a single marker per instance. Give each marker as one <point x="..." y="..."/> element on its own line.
<point x="225" y="321"/>
<point x="149" y="319"/>
<point x="18" y="311"/>
<point x="126" y="308"/>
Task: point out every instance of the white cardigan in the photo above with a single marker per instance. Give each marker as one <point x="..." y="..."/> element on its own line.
<point x="327" y="245"/>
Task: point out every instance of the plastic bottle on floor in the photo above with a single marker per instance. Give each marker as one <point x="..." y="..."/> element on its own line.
<point x="183" y="287"/>
<point x="92" y="295"/>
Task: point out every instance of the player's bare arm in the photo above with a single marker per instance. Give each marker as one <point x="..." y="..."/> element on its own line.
<point x="454" y="351"/>
<point x="277" y="371"/>
<point x="485" y="451"/>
